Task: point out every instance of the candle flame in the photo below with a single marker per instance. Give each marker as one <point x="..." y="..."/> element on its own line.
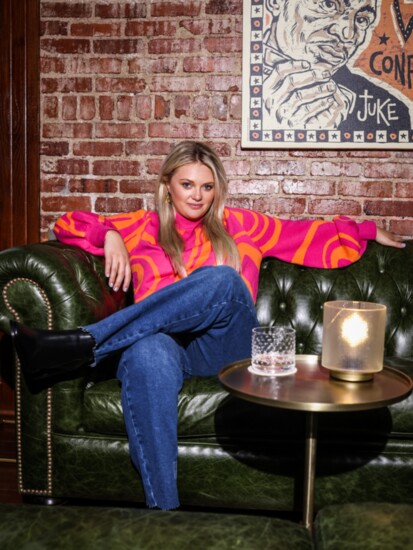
<point x="354" y="330"/>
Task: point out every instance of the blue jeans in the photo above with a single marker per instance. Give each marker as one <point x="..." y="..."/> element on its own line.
<point x="191" y="328"/>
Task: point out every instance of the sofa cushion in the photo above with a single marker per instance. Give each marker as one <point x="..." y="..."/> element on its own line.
<point x="206" y="409"/>
<point x="69" y="527"/>
<point x="366" y="526"/>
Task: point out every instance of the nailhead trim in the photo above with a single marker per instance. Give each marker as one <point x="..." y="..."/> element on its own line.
<point x="22" y="489"/>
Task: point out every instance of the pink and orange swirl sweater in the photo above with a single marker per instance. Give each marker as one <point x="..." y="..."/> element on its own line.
<point x="326" y="244"/>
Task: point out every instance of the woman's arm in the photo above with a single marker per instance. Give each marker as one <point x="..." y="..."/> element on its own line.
<point x="117" y="266"/>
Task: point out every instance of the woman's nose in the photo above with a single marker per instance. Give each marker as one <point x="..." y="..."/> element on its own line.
<point x="197" y="193"/>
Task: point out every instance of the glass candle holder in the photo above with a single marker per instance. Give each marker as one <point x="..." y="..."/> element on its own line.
<point x="353" y="339"/>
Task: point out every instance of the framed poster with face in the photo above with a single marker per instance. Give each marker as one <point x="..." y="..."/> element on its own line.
<point x="327" y="74"/>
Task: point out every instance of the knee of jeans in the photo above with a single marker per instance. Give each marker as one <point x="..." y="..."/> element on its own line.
<point x="151" y="357"/>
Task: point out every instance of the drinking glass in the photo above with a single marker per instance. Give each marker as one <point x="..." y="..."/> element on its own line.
<point x="273" y="351"/>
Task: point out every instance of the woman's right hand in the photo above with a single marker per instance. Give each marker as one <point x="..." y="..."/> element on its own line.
<point x="117" y="266"/>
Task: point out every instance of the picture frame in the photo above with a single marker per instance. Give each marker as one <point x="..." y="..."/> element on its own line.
<point x="327" y="74"/>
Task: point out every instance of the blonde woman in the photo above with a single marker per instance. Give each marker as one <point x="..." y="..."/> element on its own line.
<point x="194" y="264"/>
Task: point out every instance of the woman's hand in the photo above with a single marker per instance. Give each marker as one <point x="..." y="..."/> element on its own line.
<point x="117" y="266"/>
<point x="389" y="239"/>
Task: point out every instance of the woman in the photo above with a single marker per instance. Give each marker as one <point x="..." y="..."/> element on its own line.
<point x="194" y="265"/>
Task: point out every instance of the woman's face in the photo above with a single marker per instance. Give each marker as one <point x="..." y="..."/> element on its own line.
<point x="192" y="190"/>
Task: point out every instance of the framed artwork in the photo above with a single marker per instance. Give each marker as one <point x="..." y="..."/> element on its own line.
<point x="327" y="74"/>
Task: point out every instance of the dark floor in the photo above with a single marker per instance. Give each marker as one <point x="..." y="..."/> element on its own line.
<point x="8" y="469"/>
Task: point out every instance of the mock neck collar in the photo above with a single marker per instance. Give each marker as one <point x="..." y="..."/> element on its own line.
<point x="184" y="224"/>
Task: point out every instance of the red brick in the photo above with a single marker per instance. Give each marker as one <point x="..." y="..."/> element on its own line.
<point x="53" y="28"/>
<point x="87" y="107"/>
<point x="171" y="130"/>
<point x="114" y="205"/>
<point x="220" y="7"/>
<point x="153" y="166"/>
<point x="281" y="168"/>
<point x="196" y="27"/>
<point x="130" y="10"/>
<point x="223" y="83"/>
<point x="152" y="66"/>
<point x="63" y="203"/>
<point x="366" y="188"/>
<point x="220" y="130"/>
<point x="116" y="168"/>
<point x="175" y="9"/>
<point x="95" y="29"/>
<point x="54" y="148"/>
<point x="66" y="85"/>
<point x="148" y="147"/>
<point x="182" y="106"/>
<point x="97" y="148"/>
<point x="402" y="227"/>
<point x="336" y="169"/>
<point x="53" y="184"/>
<point x="150" y="28"/>
<point x="277" y="207"/>
<point x="334" y="207"/>
<point x="69" y="105"/>
<point x="254" y="187"/>
<point x="124" y="107"/>
<point x="396" y="208"/>
<point x="137" y="186"/>
<point x="144" y="107"/>
<point x="219" y="107"/>
<point x="72" y="166"/>
<point x="228" y="25"/>
<point x="198" y="65"/>
<point x="92" y="185"/>
<point x="119" y="46"/>
<point x="164" y="46"/>
<point x="307" y="187"/>
<point x="120" y="130"/>
<point x="65" y="45"/>
<point x="106" y="107"/>
<point x="175" y="84"/>
<point x="237" y="167"/>
<point x="50" y="106"/>
<point x="403" y="190"/>
<point x="162" y="108"/>
<point x="235" y="107"/>
<point x="119" y="85"/>
<point x="68" y="130"/>
<point x="67" y="9"/>
<point x="388" y="170"/>
<point x="200" y="107"/>
<point x="85" y="65"/>
<point x="52" y="65"/>
<point x="227" y="44"/>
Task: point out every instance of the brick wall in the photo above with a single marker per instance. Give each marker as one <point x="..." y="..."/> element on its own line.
<point x="123" y="80"/>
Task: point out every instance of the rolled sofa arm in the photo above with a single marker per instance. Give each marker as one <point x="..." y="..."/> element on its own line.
<point x="53" y="285"/>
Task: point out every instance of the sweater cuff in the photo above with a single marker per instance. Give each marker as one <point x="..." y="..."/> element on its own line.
<point x="95" y="234"/>
<point x="367" y="231"/>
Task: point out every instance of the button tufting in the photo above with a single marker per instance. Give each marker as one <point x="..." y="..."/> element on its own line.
<point x="283" y="306"/>
<point x="403" y="310"/>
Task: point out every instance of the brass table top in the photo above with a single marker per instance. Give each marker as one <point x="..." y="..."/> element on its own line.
<point x="312" y="389"/>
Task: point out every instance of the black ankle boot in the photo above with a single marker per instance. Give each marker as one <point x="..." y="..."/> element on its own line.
<point x="45" y="353"/>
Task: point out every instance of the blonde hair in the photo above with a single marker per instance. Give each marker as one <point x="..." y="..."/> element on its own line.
<point x="189" y="152"/>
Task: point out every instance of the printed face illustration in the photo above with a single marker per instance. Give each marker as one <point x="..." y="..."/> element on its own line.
<point x="326" y="33"/>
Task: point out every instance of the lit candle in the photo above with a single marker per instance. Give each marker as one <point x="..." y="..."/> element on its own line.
<point x="353" y="339"/>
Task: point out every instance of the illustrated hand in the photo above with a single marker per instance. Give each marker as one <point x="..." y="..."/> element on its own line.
<point x="297" y="96"/>
<point x="389" y="239"/>
<point x="117" y="266"/>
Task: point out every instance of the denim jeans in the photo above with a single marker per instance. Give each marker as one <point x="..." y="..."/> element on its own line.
<point x="190" y="328"/>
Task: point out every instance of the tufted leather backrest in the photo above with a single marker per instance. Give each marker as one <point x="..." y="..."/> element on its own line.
<point x="294" y="296"/>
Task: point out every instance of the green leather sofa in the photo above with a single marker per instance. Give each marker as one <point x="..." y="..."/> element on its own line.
<point x="232" y="454"/>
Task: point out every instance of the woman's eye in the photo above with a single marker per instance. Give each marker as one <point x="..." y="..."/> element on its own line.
<point x="208" y="187"/>
<point x="186" y="185"/>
